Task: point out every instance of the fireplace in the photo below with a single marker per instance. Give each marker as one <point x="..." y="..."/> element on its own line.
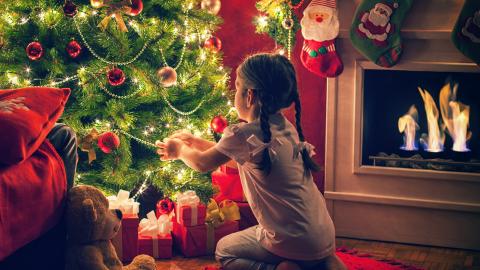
<point x="375" y="189"/>
<point x="406" y="124"/>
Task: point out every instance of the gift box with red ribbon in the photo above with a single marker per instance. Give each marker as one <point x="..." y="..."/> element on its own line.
<point x="154" y="236"/>
<point x="221" y="220"/>
<point x="201" y="240"/>
<point x="227" y="181"/>
<point x="159" y="247"/>
<point x="189" y="211"/>
<point x="126" y="240"/>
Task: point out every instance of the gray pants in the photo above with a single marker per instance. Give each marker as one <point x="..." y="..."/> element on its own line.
<point x="63" y="138"/>
<point x="241" y="251"/>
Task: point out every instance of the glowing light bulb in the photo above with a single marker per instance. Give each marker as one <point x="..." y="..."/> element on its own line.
<point x="167" y="125"/>
<point x="28" y="69"/>
<point x="262" y="21"/>
<point x="145" y="132"/>
<point x="97" y="121"/>
<point x="281" y="52"/>
<point x="229" y="103"/>
<point x="135" y="80"/>
<point x="23" y="20"/>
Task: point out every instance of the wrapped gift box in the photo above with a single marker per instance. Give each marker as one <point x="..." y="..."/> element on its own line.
<point x="202" y="239"/>
<point x="126" y="240"/>
<point x="227" y="181"/>
<point x="159" y="247"/>
<point x="247" y="219"/>
<point x="155" y="237"/>
<point x="189" y="210"/>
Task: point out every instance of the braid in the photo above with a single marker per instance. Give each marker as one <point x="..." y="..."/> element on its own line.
<point x="266" y="164"/>
<point x="308" y="162"/>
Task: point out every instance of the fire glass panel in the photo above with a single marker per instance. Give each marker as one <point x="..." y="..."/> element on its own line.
<point x="389" y="94"/>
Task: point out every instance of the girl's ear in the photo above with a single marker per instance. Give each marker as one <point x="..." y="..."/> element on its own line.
<point x="251" y="98"/>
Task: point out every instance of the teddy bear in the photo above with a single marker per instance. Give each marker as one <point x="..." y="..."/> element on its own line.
<point x="90" y="229"/>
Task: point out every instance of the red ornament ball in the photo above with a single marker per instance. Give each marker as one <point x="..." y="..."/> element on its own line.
<point x="69" y="9"/>
<point x="34" y="50"/>
<point x="167" y="76"/>
<point x="213" y="43"/>
<point x="73" y="49"/>
<point x="218" y="124"/>
<point x="136" y="8"/>
<point x="116" y="77"/>
<point x="164" y="207"/>
<point x="108" y="141"/>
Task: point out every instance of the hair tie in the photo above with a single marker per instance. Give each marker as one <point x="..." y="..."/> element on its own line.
<point x="304" y="146"/>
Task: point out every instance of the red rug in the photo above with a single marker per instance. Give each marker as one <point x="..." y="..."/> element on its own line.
<point x="360" y="261"/>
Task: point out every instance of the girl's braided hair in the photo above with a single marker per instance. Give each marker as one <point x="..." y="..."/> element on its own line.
<point x="272" y="77"/>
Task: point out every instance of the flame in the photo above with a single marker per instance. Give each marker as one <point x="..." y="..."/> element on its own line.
<point x="433" y="142"/>
<point x="407" y="124"/>
<point x="455" y="115"/>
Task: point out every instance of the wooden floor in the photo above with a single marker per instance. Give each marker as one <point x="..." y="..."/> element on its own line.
<point x="431" y="258"/>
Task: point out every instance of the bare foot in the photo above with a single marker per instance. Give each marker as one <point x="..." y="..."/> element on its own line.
<point x="288" y="265"/>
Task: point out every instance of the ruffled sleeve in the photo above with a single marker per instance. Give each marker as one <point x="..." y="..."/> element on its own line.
<point x="233" y="144"/>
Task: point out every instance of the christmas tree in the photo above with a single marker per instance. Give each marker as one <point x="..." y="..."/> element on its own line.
<point x="278" y="20"/>
<point x="138" y="72"/>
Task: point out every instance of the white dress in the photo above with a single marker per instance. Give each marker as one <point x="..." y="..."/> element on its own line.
<point x="291" y="211"/>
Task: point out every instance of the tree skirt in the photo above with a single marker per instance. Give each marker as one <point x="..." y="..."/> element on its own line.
<point x="360" y="261"/>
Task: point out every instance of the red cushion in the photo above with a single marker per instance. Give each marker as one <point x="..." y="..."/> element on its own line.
<point x="32" y="196"/>
<point x="26" y="116"/>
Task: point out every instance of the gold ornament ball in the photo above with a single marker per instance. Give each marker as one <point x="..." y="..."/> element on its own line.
<point x="287" y="23"/>
<point x="96" y="3"/>
<point x="167" y="76"/>
<point x="211" y="6"/>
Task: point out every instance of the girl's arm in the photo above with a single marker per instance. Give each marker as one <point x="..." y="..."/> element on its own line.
<point x="198" y="143"/>
<point x="202" y="161"/>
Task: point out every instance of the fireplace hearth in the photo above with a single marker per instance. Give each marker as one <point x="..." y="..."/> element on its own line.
<point x="390" y="174"/>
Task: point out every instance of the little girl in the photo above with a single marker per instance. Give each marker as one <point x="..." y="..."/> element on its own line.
<point x="275" y="164"/>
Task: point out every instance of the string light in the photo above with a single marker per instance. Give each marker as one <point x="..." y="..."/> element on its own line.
<point x="23" y="20"/>
<point x="183" y="112"/>
<point x="103" y="59"/>
<point x="262" y="21"/>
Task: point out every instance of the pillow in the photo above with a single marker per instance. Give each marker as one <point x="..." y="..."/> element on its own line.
<point x="26" y="117"/>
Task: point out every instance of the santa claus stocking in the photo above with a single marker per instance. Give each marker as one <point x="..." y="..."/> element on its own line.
<point x="320" y="28"/>
<point x="375" y="30"/>
<point x="466" y="33"/>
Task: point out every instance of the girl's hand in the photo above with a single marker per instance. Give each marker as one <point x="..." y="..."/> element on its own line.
<point x="170" y="149"/>
<point x="183" y="135"/>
